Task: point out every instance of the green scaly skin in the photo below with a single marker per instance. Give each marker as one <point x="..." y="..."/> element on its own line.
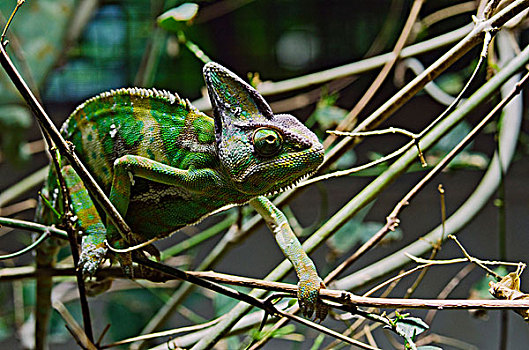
<point x="166" y="165"/>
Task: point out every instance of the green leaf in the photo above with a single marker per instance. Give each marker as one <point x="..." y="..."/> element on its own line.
<point x="280" y="332"/>
<point x="291" y="302"/>
<point x="288" y="329"/>
<point x="411" y="326"/>
<point x="318" y="342"/>
<point x="174" y="19"/>
<point x="429" y="347"/>
<point x="357" y="231"/>
<point x="347" y="160"/>
<point x="465" y="158"/>
<point x="329" y="116"/>
<point x="450" y="140"/>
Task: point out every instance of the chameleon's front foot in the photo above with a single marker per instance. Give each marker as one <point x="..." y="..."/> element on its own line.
<point x="308" y="297"/>
<point x="93" y="252"/>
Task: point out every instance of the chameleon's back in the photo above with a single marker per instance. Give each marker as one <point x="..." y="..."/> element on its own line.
<point x="152" y="124"/>
<point x="143" y="122"/>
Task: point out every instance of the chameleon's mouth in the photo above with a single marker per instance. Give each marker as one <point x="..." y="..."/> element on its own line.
<point x="289" y="186"/>
<point x="296" y="167"/>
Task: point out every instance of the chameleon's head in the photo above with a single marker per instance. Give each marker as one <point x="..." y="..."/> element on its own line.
<point x="259" y="151"/>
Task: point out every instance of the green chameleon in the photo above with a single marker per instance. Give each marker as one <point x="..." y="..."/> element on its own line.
<point x="165" y="165"/>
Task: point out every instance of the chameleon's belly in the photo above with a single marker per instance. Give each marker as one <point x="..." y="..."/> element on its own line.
<point x="157" y="210"/>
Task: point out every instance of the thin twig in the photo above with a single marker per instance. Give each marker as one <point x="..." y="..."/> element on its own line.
<point x="269" y="308"/>
<point x="448" y="304"/>
<point x="73" y="326"/>
<point x="474" y="260"/>
<point x="462" y="144"/>
<point x="447" y="12"/>
<point x="459" y="260"/>
<point x="29" y="248"/>
<point x="434" y="70"/>
<point x="6" y="27"/>
<point x="351" y="117"/>
<point x="396" y="278"/>
<point x="162" y="334"/>
<point x="33" y="227"/>
<point x="390" y="130"/>
<point x="415" y="137"/>
<point x="450" y="286"/>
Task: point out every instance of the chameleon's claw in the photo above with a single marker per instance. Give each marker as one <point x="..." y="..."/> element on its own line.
<point x="322" y="310"/>
<point x="308" y="298"/>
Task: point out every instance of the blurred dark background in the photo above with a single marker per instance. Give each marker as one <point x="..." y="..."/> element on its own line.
<point x="279" y="39"/>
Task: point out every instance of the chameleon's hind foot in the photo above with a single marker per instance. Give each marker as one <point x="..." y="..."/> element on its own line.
<point x="309" y="300"/>
<point x="93" y="253"/>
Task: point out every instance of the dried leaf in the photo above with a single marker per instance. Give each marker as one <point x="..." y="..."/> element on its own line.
<point x="509" y="289"/>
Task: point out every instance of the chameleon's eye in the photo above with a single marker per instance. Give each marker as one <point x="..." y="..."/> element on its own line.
<point x="267" y="142"/>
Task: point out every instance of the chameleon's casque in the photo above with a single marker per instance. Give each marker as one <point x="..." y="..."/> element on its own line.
<point x="166" y="165"/>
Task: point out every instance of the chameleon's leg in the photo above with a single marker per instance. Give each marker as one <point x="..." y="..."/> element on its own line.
<point x="130" y="166"/>
<point x="93" y="248"/>
<point x="309" y="282"/>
